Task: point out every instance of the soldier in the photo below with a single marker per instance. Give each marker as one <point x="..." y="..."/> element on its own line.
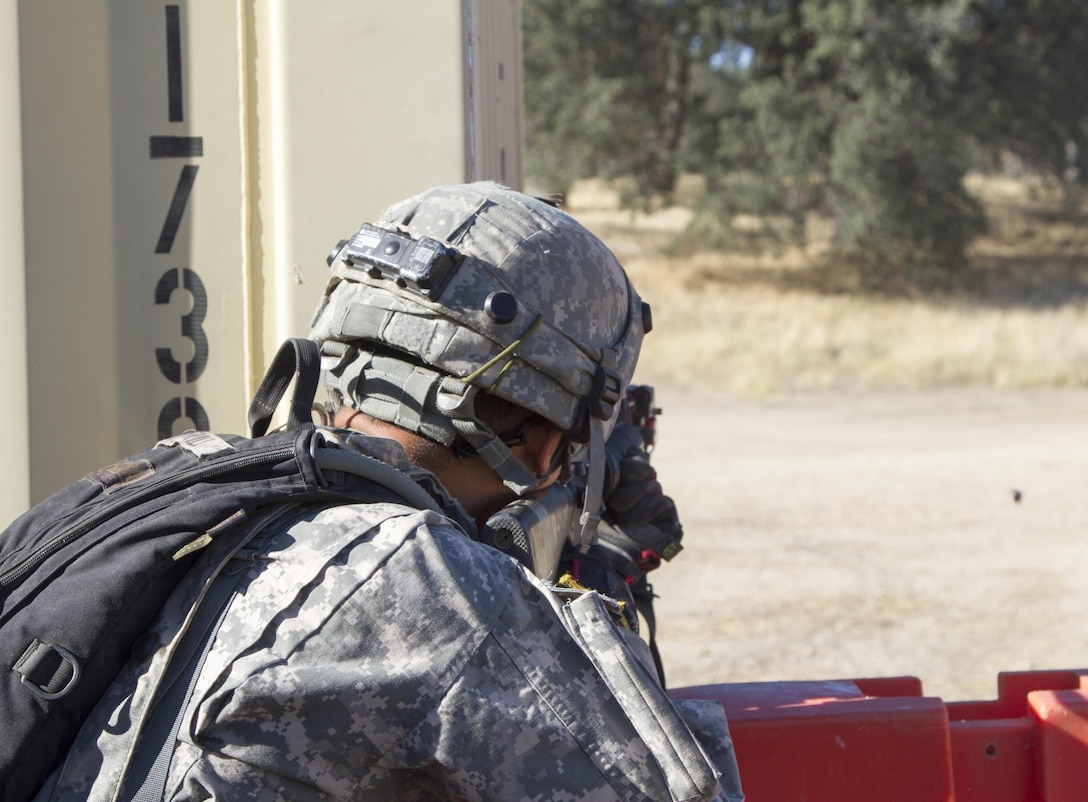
<point x="472" y="339"/>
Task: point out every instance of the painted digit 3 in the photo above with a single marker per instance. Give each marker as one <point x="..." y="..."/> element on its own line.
<point x="181" y="407"/>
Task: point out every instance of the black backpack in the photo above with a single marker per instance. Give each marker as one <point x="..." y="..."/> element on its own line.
<point x="84" y="573"/>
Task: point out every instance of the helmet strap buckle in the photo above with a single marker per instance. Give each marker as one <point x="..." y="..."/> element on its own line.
<point x="606" y="390"/>
<point x="456" y="399"/>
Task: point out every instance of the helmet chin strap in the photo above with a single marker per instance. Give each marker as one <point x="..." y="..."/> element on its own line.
<point x="601" y="409"/>
<point x="499" y="456"/>
<point x="591" y="509"/>
<point x="458" y="401"/>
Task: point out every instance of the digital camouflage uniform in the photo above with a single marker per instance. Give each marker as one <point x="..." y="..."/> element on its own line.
<point x="374" y="651"/>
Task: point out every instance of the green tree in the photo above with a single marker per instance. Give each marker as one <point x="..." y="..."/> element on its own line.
<point x="846" y="110"/>
<point x="617" y="88"/>
<point x="870" y="110"/>
<point x="1023" y="82"/>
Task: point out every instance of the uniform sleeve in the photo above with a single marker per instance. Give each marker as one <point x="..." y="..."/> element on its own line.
<point x="412" y="663"/>
<point x="555" y="704"/>
<point x="707" y="721"/>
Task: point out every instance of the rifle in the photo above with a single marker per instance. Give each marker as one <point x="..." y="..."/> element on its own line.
<point x="642" y="414"/>
<point x="541" y="531"/>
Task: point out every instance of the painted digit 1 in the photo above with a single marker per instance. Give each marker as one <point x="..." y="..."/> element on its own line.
<point x="180" y="279"/>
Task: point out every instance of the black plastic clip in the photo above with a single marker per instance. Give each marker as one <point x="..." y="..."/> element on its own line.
<point x="607" y="389"/>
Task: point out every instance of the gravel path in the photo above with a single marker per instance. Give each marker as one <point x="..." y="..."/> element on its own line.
<point x="831" y="537"/>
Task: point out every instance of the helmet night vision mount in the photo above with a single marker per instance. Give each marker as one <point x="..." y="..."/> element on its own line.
<point x="421" y="265"/>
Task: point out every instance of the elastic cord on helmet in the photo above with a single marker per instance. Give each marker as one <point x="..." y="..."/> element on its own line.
<point x="456" y="399"/>
<point x="508" y="353"/>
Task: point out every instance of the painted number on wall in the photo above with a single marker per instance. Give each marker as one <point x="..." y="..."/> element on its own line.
<point x="180" y="279"/>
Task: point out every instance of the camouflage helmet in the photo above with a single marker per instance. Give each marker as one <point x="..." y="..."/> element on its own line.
<point x="477" y="288"/>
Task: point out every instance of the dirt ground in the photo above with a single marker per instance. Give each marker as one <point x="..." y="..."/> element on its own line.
<point x="845" y="536"/>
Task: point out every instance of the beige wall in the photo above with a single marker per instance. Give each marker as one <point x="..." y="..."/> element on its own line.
<point x="13" y="402"/>
<point x="379" y="115"/>
<point x="187" y="167"/>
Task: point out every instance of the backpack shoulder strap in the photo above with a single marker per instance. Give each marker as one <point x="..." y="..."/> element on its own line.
<point x="148" y="766"/>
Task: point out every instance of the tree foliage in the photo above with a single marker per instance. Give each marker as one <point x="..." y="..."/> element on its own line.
<point x="611" y="88"/>
<point x="877" y="78"/>
<point x="1023" y="82"/>
<point x="871" y="110"/>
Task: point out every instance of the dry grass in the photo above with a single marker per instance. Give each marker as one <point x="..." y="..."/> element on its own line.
<point x="758" y="324"/>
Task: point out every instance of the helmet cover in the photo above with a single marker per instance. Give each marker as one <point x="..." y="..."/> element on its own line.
<point x="530" y="306"/>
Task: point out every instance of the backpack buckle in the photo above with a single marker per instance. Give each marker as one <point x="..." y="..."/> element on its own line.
<point x="48" y="671"/>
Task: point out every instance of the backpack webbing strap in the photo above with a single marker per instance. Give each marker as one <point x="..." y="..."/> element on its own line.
<point x="643" y="594"/>
<point x="148" y="768"/>
<point x="298" y="360"/>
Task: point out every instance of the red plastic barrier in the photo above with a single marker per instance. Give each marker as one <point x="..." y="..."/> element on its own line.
<point x="880" y="740"/>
